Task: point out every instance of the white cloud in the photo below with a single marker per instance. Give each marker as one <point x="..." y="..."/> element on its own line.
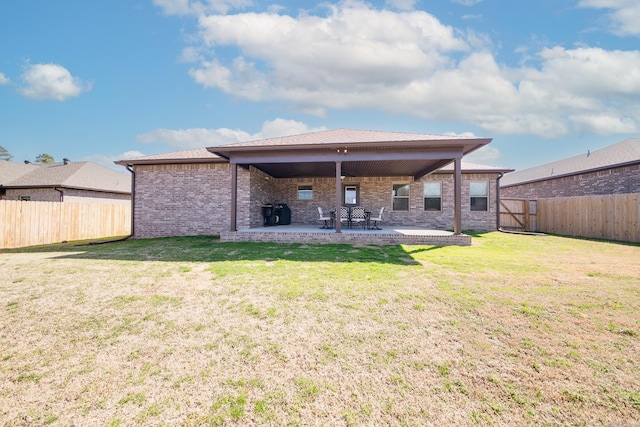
<point x="4" y="80"/>
<point x="194" y="138"/>
<point x="401" y="4"/>
<point x="624" y="15"/>
<point x="197" y="137"/>
<point x="357" y="57"/>
<point x="51" y="81"/>
<point x="485" y="156"/>
<point x="311" y="59"/>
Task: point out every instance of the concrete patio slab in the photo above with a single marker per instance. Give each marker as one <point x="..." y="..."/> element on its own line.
<point x="388" y="235"/>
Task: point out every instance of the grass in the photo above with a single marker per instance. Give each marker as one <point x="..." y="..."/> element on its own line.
<point x="514" y="330"/>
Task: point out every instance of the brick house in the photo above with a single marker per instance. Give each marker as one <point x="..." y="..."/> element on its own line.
<point x="63" y="182"/>
<point x="611" y="170"/>
<point x="419" y="179"/>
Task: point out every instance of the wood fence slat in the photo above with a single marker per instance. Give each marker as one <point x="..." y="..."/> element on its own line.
<point x="610" y="217"/>
<point x="27" y="223"/>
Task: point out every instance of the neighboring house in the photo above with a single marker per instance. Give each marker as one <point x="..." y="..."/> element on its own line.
<point x="63" y="182"/>
<point x="419" y="179"/>
<point x="611" y="170"/>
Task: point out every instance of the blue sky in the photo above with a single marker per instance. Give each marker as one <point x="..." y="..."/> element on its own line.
<point x="105" y="80"/>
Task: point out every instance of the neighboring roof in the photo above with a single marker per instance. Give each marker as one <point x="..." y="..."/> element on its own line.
<point x="77" y="175"/>
<point x="10" y="171"/>
<point x="623" y="153"/>
<point x="196" y="155"/>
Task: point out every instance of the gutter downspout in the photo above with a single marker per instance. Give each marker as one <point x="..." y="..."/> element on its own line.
<point x="133" y="204"/>
<point x="498" y="200"/>
<point x="61" y="193"/>
<point x="133" y="199"/>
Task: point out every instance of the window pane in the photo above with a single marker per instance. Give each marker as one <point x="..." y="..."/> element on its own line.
<point x="479" y="204"/>
<point x="401" y="204"/>
<point x="432" y="189"/>
<point x="305" y="192"/>
<point x="432" y="204"/>
<point x="350" y="195"/>
<point x="401" y="190"/>
<point x="478" y="189"/>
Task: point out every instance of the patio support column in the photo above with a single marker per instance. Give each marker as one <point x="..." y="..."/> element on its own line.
<point x="234" y="195"/>
<point x="338" y="195"/>
<point x="457" y="196"/>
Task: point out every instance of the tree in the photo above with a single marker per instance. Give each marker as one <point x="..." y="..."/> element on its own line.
<point x="4" y="154"/>
<point x="45" y="158"/>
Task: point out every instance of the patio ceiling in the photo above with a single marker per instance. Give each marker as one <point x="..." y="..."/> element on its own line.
<point x="361" y="153"/>
<point x="352" y="168"/>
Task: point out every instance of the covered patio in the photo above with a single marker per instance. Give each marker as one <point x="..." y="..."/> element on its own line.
<point x="350" y="154"/>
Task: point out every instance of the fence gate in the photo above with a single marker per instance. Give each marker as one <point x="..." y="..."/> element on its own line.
<point x="518" y="214"/>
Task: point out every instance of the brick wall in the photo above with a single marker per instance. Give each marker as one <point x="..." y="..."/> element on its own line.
<point x="375" y="192"/>
<point x="348" y="238"/>
<point x="263" y="190"/>
<point x="621" y="180"/>
<point x="194" y="199"/>
<point x="182" y="200"/>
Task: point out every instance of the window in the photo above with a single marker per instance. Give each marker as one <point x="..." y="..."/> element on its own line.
<point x="479" y="192"/>
<point x="305" y="192"/>
<point x="432" y="196"/>
<point x="400" y="196"/>
<point x="350" y="194"/>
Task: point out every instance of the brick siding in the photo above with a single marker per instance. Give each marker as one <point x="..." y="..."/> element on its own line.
<point x="621" y="180"/>
<point x="375" y="192"/>
<point x="194" y="199"/>
<point x="182" y="199"/>
<point x="351" y="238"/>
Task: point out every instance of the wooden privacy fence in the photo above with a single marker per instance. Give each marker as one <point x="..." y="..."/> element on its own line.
<point x="38" y="223"/>
<point x="610" y="217"/>
<point x="518" y="214"/>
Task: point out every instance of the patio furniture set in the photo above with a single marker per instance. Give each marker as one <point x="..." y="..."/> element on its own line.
<point x="352" y="215"/>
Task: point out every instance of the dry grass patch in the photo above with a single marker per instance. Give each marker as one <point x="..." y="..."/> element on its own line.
<point x="190" y="331"/>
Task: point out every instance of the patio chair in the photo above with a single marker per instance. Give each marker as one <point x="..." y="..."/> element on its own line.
<point x="328" y="220"/>
<point x="358" y="216"/>
<point x="377" y="219"/>
<point x="345" y="216"/>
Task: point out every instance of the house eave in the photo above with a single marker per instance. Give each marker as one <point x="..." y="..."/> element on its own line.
<point x="565" y="175"/>
<point x="134" y="162"/>
<point x="65" y="187"/>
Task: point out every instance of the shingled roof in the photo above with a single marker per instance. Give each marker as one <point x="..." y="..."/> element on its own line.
<point x="10" y="171"/>
<point x="623" y="153"/>
<point x="342" y="137"/>
<point x="77" y="175"/>
<point x="196" y="155"/>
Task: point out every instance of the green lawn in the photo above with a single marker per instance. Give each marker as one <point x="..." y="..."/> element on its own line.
<point x="514" y="330"/>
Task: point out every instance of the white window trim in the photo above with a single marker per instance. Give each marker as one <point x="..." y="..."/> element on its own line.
<point x="486" y="196"/>
<point x="424" y="196"/>
<point x="394" y="197"/>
